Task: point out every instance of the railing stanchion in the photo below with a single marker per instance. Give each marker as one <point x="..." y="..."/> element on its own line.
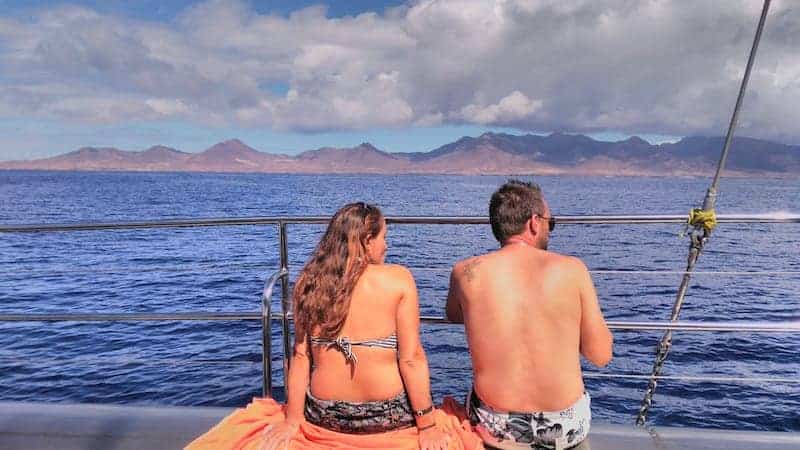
<point x="266" y="343"/>
<point x="266" y="330"/>
<point x="285" y="301"/>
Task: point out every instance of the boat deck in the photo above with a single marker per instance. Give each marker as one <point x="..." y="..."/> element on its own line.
<point x="37" y="426"/>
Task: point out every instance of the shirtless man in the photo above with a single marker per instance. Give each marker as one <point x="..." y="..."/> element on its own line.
<point x="529" y="314"/>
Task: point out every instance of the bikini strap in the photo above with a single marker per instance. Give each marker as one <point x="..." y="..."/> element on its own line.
<point x="345" y="345"/>
<point x="389" y="342"/>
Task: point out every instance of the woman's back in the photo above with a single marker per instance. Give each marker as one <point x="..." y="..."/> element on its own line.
<point x="372" y="316"/>
<point x="358" y="366"/>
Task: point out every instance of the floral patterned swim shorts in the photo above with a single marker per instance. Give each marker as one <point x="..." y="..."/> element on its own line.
<point x="531" y="430"/>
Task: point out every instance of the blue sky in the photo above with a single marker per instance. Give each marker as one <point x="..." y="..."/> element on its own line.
<point x="287" y="76"/>
<point x="166" y="10"/>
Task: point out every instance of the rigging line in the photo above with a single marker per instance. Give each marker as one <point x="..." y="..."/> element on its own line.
<point x="692" y="378"/>
<point x="696" y="378"/>
<point x="97" y="360"/>
<point x="133" y="269"/>
<point x="701" y="231"/>
<point x="652" y="272"/>
<point x="712" y="191"/>
<point x="705" y="272"/>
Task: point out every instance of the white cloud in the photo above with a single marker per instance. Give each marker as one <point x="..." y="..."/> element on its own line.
<point x="167" y="107"/>
<point x="430" y="120"/>
<point x="666" y="67"/>
<point x="514" y="107"/>
<point x="100" y="109"/>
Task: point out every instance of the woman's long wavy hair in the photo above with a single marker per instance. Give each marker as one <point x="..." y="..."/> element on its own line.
<point x="322" y="292"/>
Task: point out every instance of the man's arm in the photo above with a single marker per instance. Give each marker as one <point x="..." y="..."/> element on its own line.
<point x="596" y="339"/>
<point x="452" y="311"/>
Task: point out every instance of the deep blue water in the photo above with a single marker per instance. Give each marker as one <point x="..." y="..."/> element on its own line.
<point x="222" y="269"/>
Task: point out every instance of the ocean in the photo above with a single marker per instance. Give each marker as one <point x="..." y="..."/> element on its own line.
<point x="223" y="269"/>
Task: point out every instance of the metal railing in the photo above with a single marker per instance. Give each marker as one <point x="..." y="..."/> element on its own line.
<point x="729" y="327"/>
<point x="284" y="317"/>
<point x="281" y="221"/>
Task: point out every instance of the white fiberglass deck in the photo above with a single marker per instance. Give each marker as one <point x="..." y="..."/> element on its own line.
<point x="37" y="426"/>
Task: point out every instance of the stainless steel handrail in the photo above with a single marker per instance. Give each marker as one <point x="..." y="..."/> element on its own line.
<point x="131" y="317"/>
<point x="228" y="268"/>
<point x="694" y="378"/>
<point x="412" y="220"/>
<point x="744" y="327"/>
<point x="732" y="327"/>
<point x="749" y="327"/>
<point x="266" y="335"/>
<point x="27" y="360"/>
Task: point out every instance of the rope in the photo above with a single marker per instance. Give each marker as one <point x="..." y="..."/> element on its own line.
<point x="702" y="222"/>
<point x="702" y="218"/>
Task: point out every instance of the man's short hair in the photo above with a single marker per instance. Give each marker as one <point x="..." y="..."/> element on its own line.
<point x="512" y="206"/>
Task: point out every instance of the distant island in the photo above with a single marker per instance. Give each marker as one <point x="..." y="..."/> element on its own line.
<point x="489" y="154"/>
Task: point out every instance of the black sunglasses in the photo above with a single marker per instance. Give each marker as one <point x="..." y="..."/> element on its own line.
<point x="551" y="222"/>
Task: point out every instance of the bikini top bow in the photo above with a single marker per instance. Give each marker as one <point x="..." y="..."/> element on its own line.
<point x="346" y="347"/>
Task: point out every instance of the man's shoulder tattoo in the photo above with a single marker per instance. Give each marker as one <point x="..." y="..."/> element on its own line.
<point x="469" y="269"/>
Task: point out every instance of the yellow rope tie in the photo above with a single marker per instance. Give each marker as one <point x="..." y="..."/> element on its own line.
<point x="701" y="217"/>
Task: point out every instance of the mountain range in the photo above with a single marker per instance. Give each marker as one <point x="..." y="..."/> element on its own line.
<point x="489" y="153"/>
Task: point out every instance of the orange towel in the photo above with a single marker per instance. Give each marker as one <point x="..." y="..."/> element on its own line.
<point x="242" y="431"/>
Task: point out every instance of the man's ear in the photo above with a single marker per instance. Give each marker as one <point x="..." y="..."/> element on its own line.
<point x="531" y="225"/>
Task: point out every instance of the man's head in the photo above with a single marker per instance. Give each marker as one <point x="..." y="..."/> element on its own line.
<point x="518" y="210"/>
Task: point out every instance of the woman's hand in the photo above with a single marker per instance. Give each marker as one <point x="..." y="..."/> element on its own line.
<point x="434" y="438"/>
<point x="277" y="436"/>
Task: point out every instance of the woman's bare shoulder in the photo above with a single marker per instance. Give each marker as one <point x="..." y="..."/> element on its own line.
<point x="394" y="274"/>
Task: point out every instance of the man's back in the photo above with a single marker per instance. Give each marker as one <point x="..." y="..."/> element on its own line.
<point x="528" y="315"/>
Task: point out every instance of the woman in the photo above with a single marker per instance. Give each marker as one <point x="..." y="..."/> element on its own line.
<point x="359" y="376"/>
